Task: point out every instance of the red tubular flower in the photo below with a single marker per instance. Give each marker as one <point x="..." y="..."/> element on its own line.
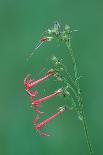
<point x="42" y="41"/>
<point x="45" y="39"/>
<point x="37" y="103"/>
<point x="42" y="124"/>
<point x="30" y="83"/>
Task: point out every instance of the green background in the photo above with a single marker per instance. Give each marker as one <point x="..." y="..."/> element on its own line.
<point x="21" y="25"/>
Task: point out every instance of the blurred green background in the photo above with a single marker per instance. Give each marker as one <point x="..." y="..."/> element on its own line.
<point x="21" y="25"/>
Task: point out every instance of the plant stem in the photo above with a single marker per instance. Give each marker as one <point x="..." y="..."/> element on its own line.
<point x="84" y="123"/>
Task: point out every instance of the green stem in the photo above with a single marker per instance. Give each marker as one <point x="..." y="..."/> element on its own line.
<point x="84" y="123"/>
<point x="68" y="44"/>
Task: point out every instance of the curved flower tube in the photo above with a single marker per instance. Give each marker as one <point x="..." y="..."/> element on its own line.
<point x="42" y="124"/>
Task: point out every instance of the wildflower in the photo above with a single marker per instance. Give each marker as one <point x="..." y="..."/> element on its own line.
<point x="43" y="40"/>
<point x="46" y="39"/>
<point x="37" y="103"/>
<point x="29" y="83"/>
<point x="42" y="124"/>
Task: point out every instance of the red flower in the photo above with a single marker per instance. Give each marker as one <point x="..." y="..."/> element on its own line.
<point x="37" y="103"/>
<point x="29" y="83"/>
<point x="45" y="39"/>
<point x="42" y="124"/>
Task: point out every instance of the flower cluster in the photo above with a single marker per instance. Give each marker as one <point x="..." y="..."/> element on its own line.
<point x="56" y="32"/>
<point x="29" y="83"/>
<point x="70" y="86"/>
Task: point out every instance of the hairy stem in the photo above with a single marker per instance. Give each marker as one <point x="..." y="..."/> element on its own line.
<point x="84" y="123"/>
